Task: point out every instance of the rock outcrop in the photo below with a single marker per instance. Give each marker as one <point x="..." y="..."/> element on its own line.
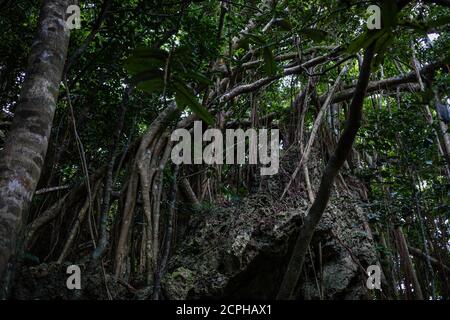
<point x="241" y="250"/>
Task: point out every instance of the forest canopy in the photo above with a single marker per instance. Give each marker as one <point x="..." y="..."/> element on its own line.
<point x="213" y="149"/>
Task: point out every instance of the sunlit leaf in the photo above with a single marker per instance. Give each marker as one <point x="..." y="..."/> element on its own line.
<point x="185" y="97"/>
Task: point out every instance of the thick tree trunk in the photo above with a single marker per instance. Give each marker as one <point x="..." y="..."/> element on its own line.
<point x="23" y="155"/>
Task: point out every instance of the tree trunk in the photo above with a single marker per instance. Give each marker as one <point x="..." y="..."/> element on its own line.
<point x="407" y="264"/>
<point x="315" y="213"/>
<point x="23" y="155"/>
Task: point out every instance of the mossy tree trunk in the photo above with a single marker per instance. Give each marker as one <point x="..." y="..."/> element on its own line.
<point x="24" y="151"/>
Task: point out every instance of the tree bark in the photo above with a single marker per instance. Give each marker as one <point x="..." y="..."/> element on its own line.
<point x="103" y="242"/>
<point x="172" y="198"/>
<point x="407" y="264"/>
<point x="421" y="255"/>
<point x="388" y="84"/>
<point x="23" y="155"/>
<point x="190" y="194"/>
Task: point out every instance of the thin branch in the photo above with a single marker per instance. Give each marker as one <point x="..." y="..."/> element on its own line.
<point x="51" y="189"/>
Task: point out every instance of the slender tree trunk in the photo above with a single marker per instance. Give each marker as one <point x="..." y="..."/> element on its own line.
<point x="444" y="145"/>
<point x="108" y="183"/>
<point x="323" y="195"/>
<point x="444" y="129"/>
<point x="407" y="264"/>
<point x="168" y="238"/>
<point x="386" y="264"/>
<point x="23" y="155"/>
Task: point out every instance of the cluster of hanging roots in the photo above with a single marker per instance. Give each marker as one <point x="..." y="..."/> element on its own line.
<point x="80" y="228"/>
<point x="128" y="232"/>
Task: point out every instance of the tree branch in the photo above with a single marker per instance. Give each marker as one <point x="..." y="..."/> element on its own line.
<point x="386" y="84"/>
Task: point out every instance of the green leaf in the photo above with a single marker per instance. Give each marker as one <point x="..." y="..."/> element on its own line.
<point x="284" y="24"/>
<point x="256" y="39"/>
<point x="426" y="96"/>
<point x="381" y="47"/>
<point x="251" y="38"/>
<point x="413" y="25"/>
<point x="30" y="257"/>
<point x="147" y="75"/>
<point x="135" y="65"/>
<point x="270" y="66"/>
<point x="185" y="97"/>
<point x="142" y="52"/>
<point x="146" y="59"/>
<point x="364" y="40"/>
<point x="315" y="35"/>
<point x="357" y="44"/>
<point x="199" y="77"/>
<point x="389" y="11"/>
<point x="441" y="21"/>
<point x="183" y="52"/>
<point x="152" y="85"/>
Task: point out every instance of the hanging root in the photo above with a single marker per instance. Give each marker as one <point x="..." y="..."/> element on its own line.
<point x="79" y="221"/>
<point x="140" y="171"/>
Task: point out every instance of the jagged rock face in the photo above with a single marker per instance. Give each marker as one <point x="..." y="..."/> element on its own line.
<point x="225" y="244"/>
<point x="346" y="251"/>
<point x="241" y="251"/>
